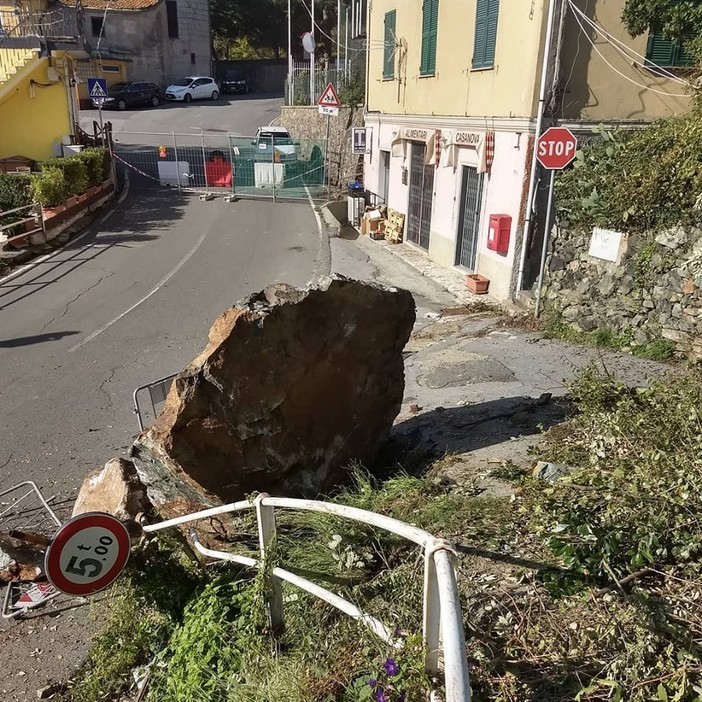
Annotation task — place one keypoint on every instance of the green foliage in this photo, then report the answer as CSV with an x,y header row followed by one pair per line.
x,y
675,19
555,327
638,180
49,187
15,191
97,164
630,503
75,173
145,606
353,93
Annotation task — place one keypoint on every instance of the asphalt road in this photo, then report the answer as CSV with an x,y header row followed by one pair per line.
x,y
129,301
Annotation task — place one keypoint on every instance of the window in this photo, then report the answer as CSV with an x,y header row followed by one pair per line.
x,y
172,16
485,33
667,52
193,59
389,46
110,69
96,25
430,22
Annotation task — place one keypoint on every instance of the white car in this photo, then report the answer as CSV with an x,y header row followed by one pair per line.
x,y
278,139
193,88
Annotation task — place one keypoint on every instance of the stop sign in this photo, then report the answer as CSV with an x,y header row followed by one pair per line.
x,y
556,148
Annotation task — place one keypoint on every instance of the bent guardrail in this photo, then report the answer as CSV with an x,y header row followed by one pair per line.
x,y
442,617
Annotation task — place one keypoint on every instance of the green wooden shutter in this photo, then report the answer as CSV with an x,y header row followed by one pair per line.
x,y
430,25
660,51
480,34
491,31
389,48
667,52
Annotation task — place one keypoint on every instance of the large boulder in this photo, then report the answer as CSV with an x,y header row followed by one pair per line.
x,y
293,386
115,489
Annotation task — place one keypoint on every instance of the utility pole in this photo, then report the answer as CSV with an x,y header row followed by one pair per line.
x,y
312,54
290,57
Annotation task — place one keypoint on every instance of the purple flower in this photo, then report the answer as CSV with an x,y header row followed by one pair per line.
x,y
390,667
398,632
372,682
401,698
380,696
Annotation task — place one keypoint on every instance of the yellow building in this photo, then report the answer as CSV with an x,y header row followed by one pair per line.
x,y
453,91
38,97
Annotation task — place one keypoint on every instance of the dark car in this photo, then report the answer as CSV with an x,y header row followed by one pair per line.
x,y
123,95
235,82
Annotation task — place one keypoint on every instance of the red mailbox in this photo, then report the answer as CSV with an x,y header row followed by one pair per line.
x,y
498,233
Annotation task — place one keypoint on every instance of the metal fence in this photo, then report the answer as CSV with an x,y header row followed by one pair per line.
x,y
297,88
221,163
442,617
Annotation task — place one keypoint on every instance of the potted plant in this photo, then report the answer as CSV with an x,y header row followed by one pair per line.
x,y
477,283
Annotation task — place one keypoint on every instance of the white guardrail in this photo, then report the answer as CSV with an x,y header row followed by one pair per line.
x,y
442,617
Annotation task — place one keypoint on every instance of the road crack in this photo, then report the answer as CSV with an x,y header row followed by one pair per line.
x,y
77,297
101,387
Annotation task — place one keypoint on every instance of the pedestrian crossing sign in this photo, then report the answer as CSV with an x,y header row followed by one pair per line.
x,y
97,88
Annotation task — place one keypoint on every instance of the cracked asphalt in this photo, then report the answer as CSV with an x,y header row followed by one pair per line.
x,y
130,301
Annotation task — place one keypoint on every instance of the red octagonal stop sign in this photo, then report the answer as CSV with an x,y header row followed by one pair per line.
x,y
556,148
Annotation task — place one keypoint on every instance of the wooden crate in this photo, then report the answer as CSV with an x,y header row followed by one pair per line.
x,y
395,226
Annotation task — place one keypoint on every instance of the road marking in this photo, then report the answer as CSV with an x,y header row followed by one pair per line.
x,y
317,262
160,284
75,240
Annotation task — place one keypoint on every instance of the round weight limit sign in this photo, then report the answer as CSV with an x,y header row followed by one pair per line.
x,y
87,554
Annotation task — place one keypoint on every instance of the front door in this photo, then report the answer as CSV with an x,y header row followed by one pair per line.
x,y
469,220
384,176
421,196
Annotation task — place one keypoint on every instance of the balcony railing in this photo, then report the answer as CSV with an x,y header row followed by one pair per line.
x,y
50,24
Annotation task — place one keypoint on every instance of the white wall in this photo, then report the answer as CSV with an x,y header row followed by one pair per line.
x,y
502,194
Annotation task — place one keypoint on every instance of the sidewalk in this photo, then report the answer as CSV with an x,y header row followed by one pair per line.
x,y
477,389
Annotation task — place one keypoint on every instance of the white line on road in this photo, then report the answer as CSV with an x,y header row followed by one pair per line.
x,y
161,283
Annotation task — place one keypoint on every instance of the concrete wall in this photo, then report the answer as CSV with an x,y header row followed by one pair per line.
x,y
507,90
593,90
35,119
141,38
307,123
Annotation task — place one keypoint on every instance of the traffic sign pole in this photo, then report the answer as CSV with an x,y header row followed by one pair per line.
x,y
544,247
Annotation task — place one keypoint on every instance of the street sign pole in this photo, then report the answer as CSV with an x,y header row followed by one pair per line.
x,y
544,247
327,179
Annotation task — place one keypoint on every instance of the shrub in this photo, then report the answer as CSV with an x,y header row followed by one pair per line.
x,y
97,163
638,180
15,191
74,171
50,187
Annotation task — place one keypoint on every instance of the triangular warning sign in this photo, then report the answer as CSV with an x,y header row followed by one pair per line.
x,y
97,91
329,97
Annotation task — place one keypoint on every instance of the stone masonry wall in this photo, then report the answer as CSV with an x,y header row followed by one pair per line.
x,y
307,123
653,291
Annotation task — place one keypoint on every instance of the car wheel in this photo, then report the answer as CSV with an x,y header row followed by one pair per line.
x,y
155,101
215,94
188,97
121,105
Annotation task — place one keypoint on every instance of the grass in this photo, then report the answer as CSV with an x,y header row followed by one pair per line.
x,y
555,327
589,588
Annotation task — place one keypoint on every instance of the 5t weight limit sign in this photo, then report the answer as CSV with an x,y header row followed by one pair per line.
x,y
87,554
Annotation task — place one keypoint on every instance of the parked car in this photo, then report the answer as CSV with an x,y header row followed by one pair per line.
x,y
277,141
124,95
235,82
193,88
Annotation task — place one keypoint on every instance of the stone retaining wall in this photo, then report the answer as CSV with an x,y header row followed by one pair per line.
x,y
653,291
307,123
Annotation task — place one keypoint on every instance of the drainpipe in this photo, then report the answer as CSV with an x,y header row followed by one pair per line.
x,y
528,221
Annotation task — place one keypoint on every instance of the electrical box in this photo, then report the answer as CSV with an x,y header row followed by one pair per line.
x,y
499,232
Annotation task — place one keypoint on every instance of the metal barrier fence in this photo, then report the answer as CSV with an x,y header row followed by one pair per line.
x,y
268,168
17,226
442,617
157,393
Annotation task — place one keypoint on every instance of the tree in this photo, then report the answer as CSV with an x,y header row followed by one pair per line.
x,y
675,19
262,25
